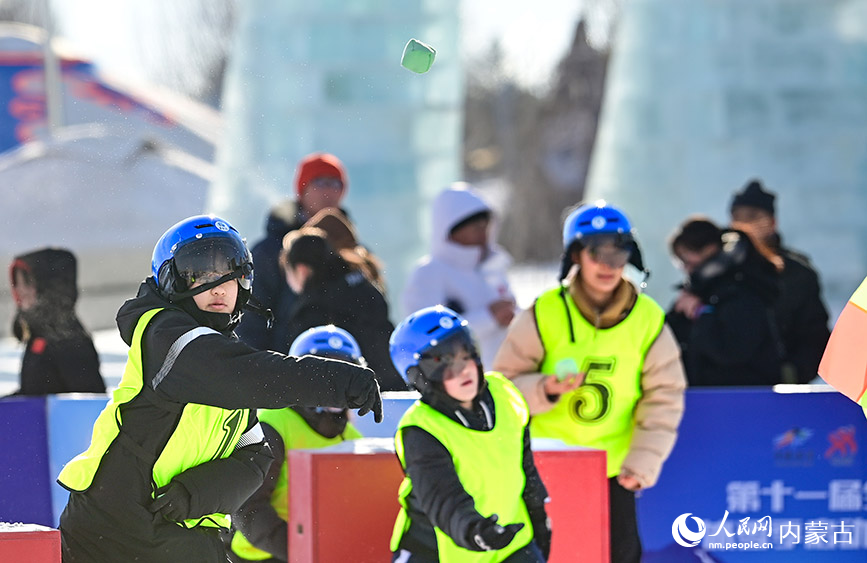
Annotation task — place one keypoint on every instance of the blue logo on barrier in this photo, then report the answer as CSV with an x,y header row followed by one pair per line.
x,y
683,535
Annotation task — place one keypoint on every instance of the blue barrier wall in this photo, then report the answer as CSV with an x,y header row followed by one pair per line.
x,y
70,424
787,461
793,463
24,476
394,404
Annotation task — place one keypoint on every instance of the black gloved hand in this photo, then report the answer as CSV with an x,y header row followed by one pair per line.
x,y
173,502
363,393
489,535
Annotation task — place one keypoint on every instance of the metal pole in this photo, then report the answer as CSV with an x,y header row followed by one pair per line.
x,y
53,84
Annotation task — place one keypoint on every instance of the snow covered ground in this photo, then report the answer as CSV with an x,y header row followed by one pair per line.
x,y
527,282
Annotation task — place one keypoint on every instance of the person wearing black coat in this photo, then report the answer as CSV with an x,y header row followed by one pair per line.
x,y
59,356
332,291
321,182
801,316
179,445
800,313
724,315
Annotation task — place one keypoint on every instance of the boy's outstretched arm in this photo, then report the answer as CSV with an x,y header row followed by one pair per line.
x,y
188,363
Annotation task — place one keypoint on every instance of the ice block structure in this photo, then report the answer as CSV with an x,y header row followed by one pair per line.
x,y
703,96
326,76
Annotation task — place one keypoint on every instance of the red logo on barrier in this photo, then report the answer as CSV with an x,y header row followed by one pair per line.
x,y
842,442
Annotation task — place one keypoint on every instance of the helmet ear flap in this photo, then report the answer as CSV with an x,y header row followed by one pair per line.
x,y
168,279
566,260
417,379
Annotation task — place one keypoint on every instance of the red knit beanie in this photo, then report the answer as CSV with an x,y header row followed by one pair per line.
x,y
317,165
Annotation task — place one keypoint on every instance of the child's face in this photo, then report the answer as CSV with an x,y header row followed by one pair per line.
x,y
461,378
25,292
220,299
596,272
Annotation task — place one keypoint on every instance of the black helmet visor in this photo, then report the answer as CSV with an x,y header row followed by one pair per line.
x,y
446,355
209,259
613,249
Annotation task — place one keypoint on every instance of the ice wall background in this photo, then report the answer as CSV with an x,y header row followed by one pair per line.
x,y
326,76
703,96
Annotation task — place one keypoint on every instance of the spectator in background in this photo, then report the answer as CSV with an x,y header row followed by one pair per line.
x,y
465,270
320,182
261,524
342,236
723,316
334,290
801,315
59,356
598,365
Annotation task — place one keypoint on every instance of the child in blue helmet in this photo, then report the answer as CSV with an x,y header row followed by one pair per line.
x,y
471,491
598,365
261,524
178,446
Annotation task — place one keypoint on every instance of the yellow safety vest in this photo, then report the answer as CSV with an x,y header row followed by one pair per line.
x,y
203,433
599,414
297,435
489,465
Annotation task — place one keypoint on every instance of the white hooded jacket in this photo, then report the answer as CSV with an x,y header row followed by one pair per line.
x,y
452,274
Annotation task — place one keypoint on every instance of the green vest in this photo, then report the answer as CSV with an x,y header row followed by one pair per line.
x,y
297,435
489,465
599,414
203,433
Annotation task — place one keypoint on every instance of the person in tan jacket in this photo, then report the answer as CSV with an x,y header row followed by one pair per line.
x,y
598,365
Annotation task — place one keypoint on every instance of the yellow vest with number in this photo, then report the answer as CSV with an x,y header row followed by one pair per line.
x,y
297,435
599,414
489,465
202,434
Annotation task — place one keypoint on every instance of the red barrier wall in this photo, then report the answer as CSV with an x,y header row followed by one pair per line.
x,y
342,506
577,484
29,542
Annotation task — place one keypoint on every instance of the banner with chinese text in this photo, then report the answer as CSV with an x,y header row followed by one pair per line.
x,y
758,475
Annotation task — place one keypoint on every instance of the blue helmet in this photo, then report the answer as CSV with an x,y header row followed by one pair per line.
x,y
599,221
597,218
203,249
423,343
329,341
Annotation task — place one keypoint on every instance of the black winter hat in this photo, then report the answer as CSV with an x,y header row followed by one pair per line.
x,y
754,195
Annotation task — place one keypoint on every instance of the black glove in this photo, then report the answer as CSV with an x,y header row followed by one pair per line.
x,y
489,535
363,393
173,502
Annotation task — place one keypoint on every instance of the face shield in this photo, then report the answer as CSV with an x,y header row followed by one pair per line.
x,y
209,260
612,250
449,356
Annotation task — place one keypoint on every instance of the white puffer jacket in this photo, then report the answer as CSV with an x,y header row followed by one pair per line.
x,y
453,275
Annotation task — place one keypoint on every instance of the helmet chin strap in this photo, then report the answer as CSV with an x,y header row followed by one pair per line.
x,y
252,303
256,306
175,297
